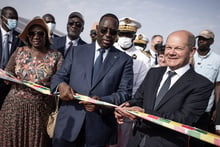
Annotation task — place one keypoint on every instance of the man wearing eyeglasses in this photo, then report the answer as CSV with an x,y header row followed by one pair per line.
x,y
97,70
8,42
75,26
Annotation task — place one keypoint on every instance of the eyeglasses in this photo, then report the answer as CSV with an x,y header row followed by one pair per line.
x,y
50,21
111,31
40,33
93,33
202,38
77,24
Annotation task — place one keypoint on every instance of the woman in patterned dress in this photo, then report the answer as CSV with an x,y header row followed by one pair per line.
x,y
24,114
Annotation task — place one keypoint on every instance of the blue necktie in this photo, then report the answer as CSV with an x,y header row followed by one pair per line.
x,y
98,64
5,51
164,88
156,62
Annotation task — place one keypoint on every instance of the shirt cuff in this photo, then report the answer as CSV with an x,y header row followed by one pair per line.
x,y
217,127
56,92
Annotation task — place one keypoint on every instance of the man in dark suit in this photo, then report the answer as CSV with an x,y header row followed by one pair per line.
x,y
82,124
75,26
9,17
185,100
51,23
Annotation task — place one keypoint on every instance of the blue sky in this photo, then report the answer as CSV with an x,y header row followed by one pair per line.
x,y
156,16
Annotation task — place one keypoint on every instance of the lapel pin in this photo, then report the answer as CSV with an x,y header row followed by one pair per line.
x,y
134,56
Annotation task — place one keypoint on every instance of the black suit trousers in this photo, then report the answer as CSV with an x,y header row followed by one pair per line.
x,y
4,89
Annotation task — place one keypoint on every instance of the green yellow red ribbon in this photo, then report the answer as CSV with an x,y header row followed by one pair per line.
x,y
88,99
184,129
7,76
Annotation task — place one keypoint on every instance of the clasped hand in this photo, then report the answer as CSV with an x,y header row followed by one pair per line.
x,y
121,112
67,94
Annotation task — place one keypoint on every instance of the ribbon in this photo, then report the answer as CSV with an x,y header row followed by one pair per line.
x,y
7,76
184,129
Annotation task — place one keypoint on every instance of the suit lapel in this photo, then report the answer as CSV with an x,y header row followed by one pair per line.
x,y
60,44
89,62
0,46
177,87
15,40
109,62
81,42
156,86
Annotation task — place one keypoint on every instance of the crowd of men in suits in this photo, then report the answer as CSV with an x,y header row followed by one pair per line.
x,y
127,76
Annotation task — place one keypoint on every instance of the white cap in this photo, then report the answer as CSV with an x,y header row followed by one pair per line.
x,y
128,24
141,38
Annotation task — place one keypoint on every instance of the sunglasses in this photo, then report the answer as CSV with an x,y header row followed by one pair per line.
x,y
77,24
111,31
93,33
40,33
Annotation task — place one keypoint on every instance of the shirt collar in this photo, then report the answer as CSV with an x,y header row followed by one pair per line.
x,y
97,46
152,53
4,32
180,71
206,56
75,42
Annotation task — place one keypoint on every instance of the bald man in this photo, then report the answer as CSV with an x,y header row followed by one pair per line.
x,y
184,101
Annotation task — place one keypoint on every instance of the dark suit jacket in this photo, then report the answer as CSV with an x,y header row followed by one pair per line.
x,y
114,85
14,44
58,43
217,122
185,102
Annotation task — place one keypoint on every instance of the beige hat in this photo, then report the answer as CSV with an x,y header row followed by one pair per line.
x,y
206,34
141,38
35,21
128,24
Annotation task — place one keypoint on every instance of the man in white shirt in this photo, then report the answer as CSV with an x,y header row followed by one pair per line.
x,y
141,64
156,39
207,63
